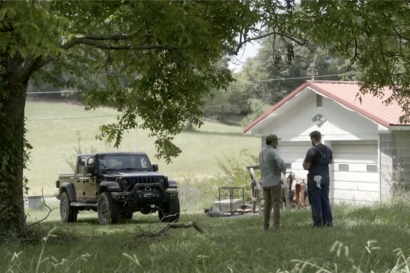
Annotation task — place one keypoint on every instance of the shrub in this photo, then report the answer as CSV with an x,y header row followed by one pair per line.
x,y
234,174
190,193
400,186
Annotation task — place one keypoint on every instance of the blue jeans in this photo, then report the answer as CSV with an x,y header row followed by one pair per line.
x,y
319,202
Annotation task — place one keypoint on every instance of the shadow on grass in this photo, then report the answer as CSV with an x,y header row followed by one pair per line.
x,y
94,221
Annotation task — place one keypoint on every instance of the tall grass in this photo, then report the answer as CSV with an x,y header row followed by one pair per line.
x,y
364,239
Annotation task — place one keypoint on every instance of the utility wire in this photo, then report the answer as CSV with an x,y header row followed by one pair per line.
x,y
212,106
72,118
295,78
255,81
51,92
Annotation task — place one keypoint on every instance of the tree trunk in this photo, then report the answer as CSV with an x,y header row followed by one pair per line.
x,y
13,87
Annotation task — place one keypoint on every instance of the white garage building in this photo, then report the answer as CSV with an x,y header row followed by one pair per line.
x,y
365,138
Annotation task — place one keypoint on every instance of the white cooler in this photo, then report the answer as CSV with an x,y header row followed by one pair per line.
x,y
225,204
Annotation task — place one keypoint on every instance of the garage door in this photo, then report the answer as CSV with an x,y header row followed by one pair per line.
x,y
293,153
355,171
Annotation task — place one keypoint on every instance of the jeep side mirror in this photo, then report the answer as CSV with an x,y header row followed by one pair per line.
x,y
90,169
155,167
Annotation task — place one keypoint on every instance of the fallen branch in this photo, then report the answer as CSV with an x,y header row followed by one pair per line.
x,y
27,235
148,236
190,224
48,214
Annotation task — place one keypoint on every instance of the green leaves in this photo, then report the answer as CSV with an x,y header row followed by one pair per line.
x,y
373,35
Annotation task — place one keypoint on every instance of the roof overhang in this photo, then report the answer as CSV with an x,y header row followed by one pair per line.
x,y
383,125
395,127
275,107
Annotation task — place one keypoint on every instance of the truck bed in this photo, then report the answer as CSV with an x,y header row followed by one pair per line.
x,y
65,178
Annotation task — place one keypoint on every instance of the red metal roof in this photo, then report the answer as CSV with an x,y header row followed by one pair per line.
x,y
345,93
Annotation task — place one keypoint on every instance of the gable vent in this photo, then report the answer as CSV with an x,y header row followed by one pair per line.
x,y
319,100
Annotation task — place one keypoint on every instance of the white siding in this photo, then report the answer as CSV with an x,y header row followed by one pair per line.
x,y
360,182
293,153
293,121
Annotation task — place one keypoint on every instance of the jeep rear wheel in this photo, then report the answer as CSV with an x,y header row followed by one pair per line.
x,y
108,209
170,211
67,213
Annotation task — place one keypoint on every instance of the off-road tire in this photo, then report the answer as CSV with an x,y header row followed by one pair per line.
x,y
170,211
126,215
108,209
68,214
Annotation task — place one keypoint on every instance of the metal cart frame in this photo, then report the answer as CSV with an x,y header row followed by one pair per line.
x,y
231,197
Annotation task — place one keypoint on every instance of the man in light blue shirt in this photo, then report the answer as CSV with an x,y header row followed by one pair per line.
x,y
272,166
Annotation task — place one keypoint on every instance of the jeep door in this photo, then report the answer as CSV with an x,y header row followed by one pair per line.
x,y
90,184
79,178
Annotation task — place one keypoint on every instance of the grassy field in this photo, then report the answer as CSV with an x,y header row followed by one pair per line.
x,y
364,239
52,132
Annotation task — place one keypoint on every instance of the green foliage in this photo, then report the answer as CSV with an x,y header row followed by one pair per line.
x,y
398,182
257,108
271,63
155,59
220,103
373,35
191,195
234,174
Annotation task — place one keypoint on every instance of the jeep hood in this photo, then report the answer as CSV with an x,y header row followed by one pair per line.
x,y
132,174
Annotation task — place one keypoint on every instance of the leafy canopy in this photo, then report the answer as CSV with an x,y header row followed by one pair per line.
x,y
154,59
373,35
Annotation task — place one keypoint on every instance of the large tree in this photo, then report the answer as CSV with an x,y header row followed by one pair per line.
x,y
157,59
154,59
165,50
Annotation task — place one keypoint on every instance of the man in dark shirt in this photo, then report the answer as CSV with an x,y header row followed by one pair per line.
x,y
317,162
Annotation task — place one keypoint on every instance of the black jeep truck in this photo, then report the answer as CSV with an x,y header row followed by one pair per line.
x,y
116,185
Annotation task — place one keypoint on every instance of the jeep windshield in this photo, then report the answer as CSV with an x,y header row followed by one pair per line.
x,y
123,162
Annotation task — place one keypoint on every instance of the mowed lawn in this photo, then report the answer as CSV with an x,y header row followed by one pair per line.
x,y
364,239
52,133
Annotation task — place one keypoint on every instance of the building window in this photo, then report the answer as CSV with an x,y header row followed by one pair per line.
x,y
371,168
344,167
319,100
288,166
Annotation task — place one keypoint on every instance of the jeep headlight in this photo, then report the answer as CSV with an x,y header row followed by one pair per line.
x,y
124,183
162,181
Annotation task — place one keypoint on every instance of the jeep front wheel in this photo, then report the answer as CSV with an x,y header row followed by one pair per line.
x,y
108,209
67,213
170,211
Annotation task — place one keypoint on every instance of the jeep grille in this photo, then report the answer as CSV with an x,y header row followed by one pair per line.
x,y
143,180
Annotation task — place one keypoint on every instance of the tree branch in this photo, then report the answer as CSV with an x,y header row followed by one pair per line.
x,y
266,35
114,37
400,36
147,236
127,47
355,54
88,40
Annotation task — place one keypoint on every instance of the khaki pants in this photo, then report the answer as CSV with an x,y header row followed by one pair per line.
x,y
272,196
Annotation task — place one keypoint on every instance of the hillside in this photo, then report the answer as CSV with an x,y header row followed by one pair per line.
x,y
52,132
